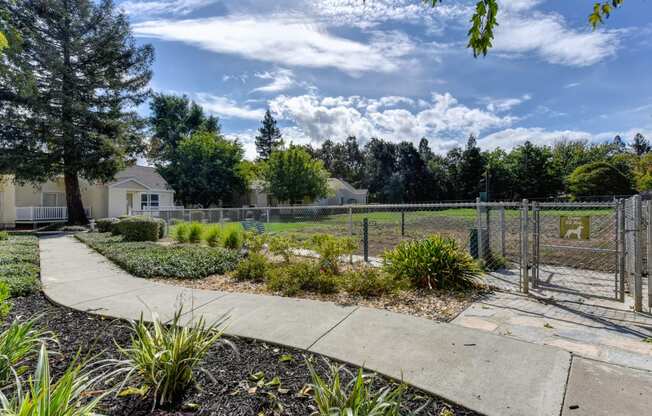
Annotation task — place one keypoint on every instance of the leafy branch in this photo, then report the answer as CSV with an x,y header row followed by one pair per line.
x,y
603,10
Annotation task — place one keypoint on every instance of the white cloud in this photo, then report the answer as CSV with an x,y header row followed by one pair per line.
x,y
519,5
572,85
283,40
280,80
548,35
500,105
227,108
339,117
154,7
510,138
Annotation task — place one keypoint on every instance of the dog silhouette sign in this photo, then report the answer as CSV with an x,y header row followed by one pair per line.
x,y
575,228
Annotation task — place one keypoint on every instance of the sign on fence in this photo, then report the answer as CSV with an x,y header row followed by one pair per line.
x,y
575,228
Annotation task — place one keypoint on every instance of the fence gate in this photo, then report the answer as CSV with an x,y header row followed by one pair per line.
x,y
577,249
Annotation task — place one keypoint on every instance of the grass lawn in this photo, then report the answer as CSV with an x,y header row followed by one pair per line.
x,y
148,259
19,264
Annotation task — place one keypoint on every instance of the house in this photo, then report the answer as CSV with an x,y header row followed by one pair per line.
x,y
136,187
341,193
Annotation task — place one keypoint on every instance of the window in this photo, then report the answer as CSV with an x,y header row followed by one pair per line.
x,y
149,201
53,199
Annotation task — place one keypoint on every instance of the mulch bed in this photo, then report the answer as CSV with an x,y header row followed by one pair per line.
x,y
438,305
233,391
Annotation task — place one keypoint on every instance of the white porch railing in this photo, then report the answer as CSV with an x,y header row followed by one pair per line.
x,y
41,214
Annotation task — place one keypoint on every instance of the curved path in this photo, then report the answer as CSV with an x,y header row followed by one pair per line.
x,y
488,373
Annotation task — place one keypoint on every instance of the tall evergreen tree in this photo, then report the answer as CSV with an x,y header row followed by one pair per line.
x,y
68,94
424,150
471,170
269,137
640,145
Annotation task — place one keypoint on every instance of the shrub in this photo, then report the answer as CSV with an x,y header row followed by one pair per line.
x,y
4,235
213,235
5,303
293,278
67,396
166,357
181,232
148,259
73,228
254,268
331,249
281,246
232,238
334,397
19,261
138,228
19,343
435,262
254,242
370,282
162,228
195,231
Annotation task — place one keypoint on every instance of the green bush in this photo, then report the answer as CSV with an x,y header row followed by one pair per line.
x,y
181,232
138,228
166,357
254,268
434,262
254,242
148,259
4,235
293,278
65,396
5,302
333,396
282,246
195,231
19,265
19,344
162,228
331,249
213,235
232,238
371,282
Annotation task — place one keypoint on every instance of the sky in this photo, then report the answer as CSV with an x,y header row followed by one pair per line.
x,y
400,70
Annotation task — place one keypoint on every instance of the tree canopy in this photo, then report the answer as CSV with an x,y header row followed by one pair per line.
x,y
269,137
206,169
293,176
599,178
70,81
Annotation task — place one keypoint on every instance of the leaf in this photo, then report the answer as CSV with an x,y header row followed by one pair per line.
x,y
285,358
276,381
134,391
257,376
547,325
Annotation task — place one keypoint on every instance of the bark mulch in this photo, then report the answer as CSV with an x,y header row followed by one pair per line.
x,y
233,389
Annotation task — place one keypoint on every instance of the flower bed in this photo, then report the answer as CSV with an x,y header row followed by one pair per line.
x,y
149,259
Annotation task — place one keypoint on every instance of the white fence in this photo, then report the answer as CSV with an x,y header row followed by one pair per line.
x,y
43,214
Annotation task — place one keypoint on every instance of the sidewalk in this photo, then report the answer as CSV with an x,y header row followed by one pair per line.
x,y
488,373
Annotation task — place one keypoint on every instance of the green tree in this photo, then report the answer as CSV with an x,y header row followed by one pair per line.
x,y
343,160
643,173
411,182
173,119
293,176
640,145
68,94
206,170
471,170
269,137
532,173
599,178
379,166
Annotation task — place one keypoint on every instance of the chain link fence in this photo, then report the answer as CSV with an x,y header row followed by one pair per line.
x,y
578,247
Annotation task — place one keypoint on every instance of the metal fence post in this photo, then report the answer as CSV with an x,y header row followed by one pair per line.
x,y
480,234
621,250
638,255
501,215
221,216
350,222
525,284
365,239
402,223
536,229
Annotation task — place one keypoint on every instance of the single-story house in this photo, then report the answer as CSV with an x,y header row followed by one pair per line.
x,y
134,188
341,193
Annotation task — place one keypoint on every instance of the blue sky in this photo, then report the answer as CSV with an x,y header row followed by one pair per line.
x,y
399,70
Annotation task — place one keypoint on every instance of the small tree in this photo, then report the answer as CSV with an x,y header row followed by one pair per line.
x,y
269,138
599,178
293,176
206,169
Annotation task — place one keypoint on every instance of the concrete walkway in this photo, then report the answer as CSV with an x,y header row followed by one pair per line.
x,y
488,373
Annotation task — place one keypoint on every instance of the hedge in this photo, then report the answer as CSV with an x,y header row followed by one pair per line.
x,y
138,228
19,264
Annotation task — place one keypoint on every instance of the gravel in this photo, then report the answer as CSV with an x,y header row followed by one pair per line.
x,y
232,391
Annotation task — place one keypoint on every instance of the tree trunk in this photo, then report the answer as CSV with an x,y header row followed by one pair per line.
x,y
76,213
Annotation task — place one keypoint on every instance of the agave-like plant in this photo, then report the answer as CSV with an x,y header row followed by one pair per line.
x,y
66,396
19,343
165,358
357,398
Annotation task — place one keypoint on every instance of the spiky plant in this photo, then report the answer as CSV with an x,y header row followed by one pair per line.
x,y
19,343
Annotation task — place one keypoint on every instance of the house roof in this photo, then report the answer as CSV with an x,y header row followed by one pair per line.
x,y
336,184
145,175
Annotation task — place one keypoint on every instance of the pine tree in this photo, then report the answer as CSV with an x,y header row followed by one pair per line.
x,y
640,145
270,137
68,94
